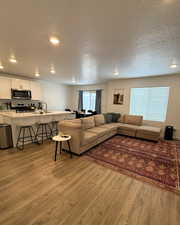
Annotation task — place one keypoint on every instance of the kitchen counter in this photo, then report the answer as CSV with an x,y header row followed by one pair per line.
x,y
32,118
33,114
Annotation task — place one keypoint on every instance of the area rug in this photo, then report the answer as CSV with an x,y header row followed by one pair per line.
x,y
155,163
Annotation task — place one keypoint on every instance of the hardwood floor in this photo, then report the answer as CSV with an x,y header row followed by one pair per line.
x,y
35,190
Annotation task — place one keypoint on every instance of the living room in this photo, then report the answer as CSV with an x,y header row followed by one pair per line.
x,y
89,112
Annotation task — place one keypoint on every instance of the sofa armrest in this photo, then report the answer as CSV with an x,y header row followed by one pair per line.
x,y
70,125
75,131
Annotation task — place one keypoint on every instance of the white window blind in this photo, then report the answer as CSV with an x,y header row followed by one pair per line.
x,y
89,100
151,103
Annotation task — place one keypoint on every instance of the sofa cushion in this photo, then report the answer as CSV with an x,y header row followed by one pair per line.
x,y
148,132
123,126
88,122
99,131
88,137
111,126
75,123
99,120
134,120
150,129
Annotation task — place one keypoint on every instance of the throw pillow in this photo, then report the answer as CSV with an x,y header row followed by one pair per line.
x,y
115,117
108,117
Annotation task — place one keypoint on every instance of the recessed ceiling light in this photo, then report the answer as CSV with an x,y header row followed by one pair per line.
x,y
37,74
52,69
54,40
1,66
13,60
116,73
173,66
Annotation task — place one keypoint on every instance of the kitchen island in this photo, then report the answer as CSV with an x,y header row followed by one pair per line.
x,y
32,118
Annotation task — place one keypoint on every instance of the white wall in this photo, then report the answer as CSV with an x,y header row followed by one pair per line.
x,y
172,81
56,96
75,94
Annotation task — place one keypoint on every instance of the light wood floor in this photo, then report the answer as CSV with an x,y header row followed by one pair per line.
x,y
35,190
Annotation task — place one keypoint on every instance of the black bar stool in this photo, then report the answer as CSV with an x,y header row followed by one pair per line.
x,y
23,137
43,132
55,128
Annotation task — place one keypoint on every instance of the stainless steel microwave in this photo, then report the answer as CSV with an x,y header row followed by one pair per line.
x,y
20,94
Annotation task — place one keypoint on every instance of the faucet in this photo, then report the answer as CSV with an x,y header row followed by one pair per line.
x,y
44,103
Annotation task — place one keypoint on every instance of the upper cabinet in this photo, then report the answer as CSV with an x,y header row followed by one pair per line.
x,y
7,83
36,90
21,84
5,88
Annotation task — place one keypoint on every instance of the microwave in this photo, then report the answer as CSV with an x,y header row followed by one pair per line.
x,y
20,94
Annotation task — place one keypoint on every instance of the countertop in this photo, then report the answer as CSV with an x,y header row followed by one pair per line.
x,y
33,114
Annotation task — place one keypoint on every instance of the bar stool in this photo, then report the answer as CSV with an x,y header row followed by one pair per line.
x,y
43,132
55,128
23,137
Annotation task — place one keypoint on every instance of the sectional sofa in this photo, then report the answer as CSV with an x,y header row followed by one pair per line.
x,y
90,131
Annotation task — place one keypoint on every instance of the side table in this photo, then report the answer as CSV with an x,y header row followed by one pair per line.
x,y
60,139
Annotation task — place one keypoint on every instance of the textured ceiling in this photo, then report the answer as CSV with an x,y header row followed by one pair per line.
x,y
137,38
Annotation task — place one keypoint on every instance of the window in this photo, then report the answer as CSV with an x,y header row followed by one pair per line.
x,y
89,100
151,103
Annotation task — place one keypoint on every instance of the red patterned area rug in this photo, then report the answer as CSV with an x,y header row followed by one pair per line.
x,y
155,163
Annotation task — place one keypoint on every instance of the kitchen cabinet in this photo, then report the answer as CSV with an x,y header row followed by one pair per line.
x,y
5,88
36,90
20,84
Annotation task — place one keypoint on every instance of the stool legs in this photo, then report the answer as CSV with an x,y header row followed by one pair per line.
x,y
55,128
18,139
22,138
42,132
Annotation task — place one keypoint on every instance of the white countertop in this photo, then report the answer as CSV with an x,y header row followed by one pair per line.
x,y
32,114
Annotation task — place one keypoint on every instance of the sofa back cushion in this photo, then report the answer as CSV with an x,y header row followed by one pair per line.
x,y
115,117
134,120
112,117
88,122
99,120
108,117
